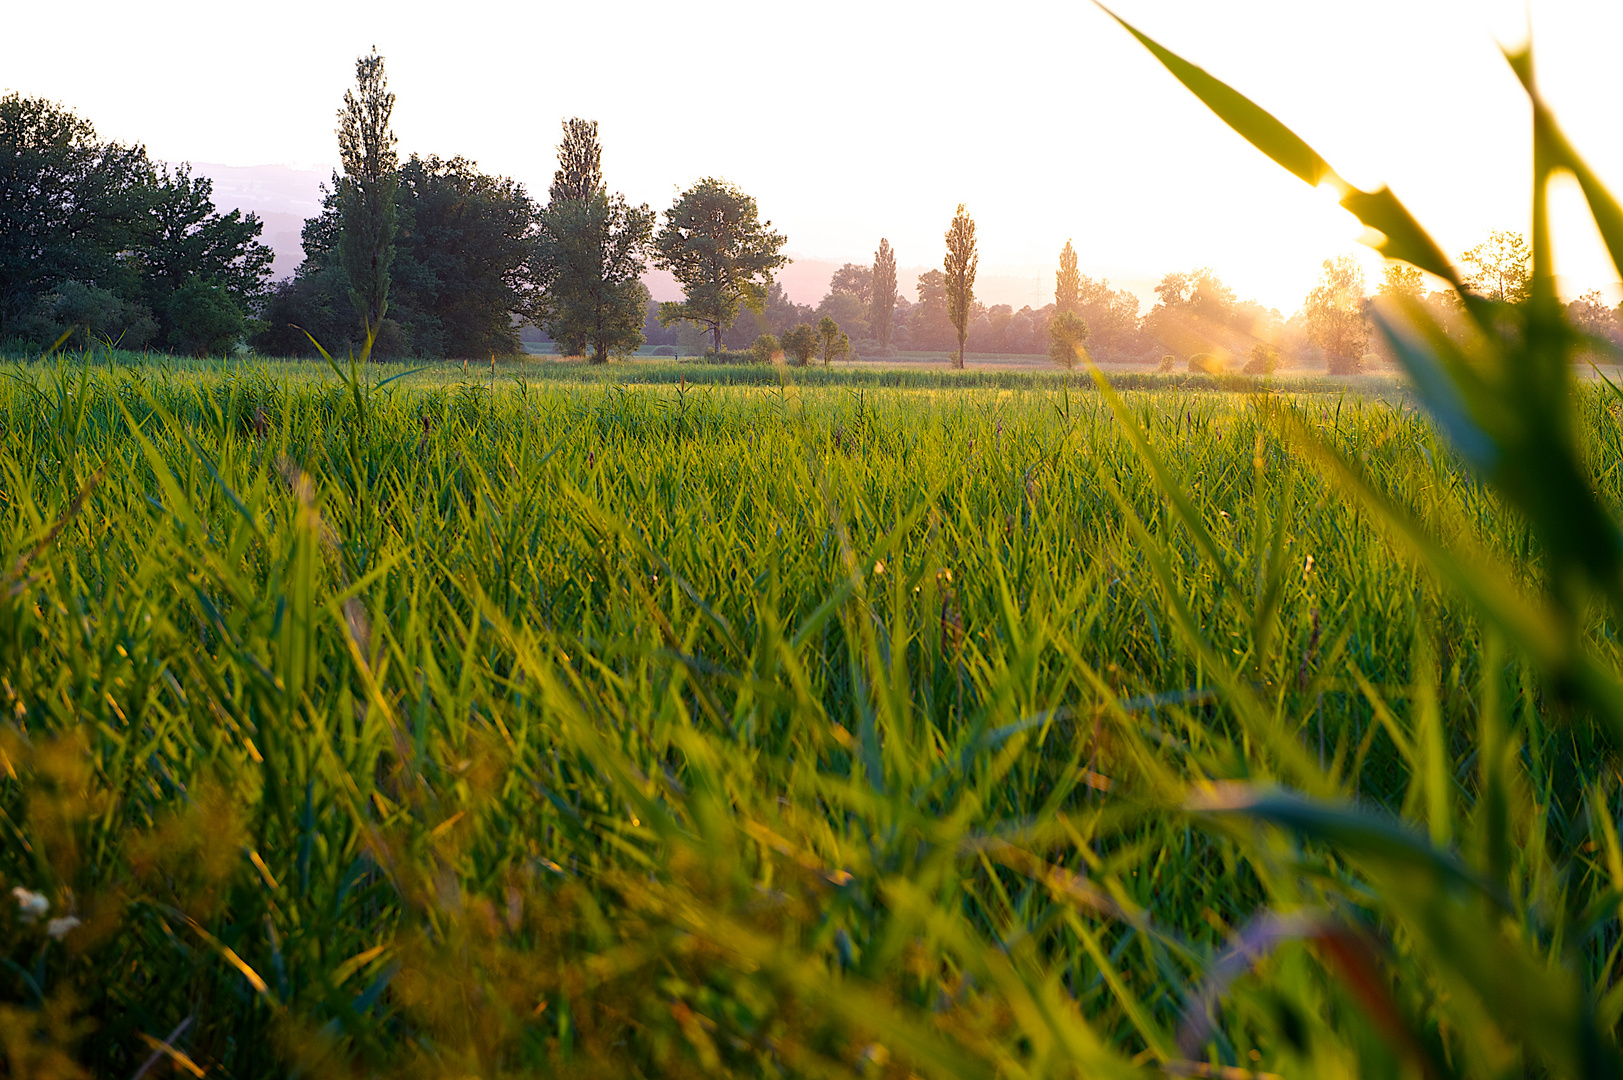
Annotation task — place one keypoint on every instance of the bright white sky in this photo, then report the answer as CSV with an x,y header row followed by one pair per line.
x,y
855,119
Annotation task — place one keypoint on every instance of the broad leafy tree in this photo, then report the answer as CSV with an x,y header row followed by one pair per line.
x,y
881,312
98,236
715,245
590,258
1401,280
853,281
1501,267
463,268
1335,315
959,269
366,191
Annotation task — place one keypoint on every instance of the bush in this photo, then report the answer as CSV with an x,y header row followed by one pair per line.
x,y
93,314
800,344
204,319
1205,364
1264,360
766,349
1167,363
665,350
871,348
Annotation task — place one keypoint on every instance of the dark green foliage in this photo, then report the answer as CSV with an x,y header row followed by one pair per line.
x,y
1066,334
366,191
721,253
800,344
203,319
462,268
580,163
96,233
766,349
590,254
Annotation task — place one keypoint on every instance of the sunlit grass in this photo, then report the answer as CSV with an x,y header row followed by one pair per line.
x,y
684,729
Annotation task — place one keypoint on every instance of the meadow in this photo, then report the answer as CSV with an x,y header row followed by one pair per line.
x,y
405,726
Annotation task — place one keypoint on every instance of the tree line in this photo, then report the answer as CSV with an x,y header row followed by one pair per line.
x,y
430,257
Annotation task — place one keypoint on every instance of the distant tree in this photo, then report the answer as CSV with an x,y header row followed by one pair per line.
x,y
959,268
1502,267
366,192
1114,328
1591,315
580,163
834,342
1195,312
1264,360
766,349
1068,282
203,319
854,281
591,252
800,344
1335,315
720,252
463,270
883,306
1400,280
1066,333
847,310
97,235
183,240
929,323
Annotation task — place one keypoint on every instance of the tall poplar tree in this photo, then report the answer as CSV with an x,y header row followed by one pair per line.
x,y
883,307
960,266
580,163
1068,282
366,191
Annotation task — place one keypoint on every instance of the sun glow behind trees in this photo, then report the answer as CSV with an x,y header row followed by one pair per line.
x,y
1151,183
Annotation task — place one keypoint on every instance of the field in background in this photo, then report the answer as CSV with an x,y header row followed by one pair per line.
x,y
462,726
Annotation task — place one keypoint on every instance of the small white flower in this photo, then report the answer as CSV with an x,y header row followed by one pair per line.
x,y
31,904
58,928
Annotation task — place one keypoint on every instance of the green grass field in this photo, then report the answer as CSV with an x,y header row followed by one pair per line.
x,y
815,728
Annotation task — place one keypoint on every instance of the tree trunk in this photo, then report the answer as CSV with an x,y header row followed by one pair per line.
x,y
716,336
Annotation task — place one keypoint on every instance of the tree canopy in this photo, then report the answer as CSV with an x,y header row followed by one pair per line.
x,y
591,251
96,235
715,245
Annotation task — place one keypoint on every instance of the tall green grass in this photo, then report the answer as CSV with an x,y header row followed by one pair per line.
x,y
363,727
687,730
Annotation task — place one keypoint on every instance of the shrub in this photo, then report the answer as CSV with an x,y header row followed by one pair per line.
x,y
1205,364
93,314
1167,363
766,349
665,350
1264,360
800,344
